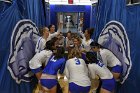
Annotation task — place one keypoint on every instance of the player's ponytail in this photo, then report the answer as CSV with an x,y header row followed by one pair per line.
x,y
91,57
95,44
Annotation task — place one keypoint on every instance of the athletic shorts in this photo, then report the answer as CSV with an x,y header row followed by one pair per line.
x,y
48,83
117,69
74,88
108,84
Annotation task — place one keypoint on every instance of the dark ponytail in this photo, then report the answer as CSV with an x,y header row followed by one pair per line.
x,y
91,57
95,44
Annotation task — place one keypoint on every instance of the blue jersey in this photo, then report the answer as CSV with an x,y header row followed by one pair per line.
x,y
54,65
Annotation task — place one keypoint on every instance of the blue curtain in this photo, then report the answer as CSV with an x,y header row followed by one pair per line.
x,y
93,18
93,15
47,13
128,16
132,27
4,6
34,10
10,14
108,10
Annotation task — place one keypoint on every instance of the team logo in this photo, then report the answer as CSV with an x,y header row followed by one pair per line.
x,y
22,49
114,38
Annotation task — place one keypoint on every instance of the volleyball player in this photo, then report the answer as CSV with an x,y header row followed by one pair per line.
x,y
108,58
49,75
96,67
77,73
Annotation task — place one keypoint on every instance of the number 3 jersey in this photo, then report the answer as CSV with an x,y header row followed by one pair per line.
x,y
77,72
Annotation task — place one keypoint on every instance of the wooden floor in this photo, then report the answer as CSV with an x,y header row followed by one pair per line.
x,y
64,85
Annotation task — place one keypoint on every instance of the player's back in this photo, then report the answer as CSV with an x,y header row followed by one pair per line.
x,y
78,72
101,70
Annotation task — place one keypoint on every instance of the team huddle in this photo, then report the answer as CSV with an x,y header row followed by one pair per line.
x,y
80,59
